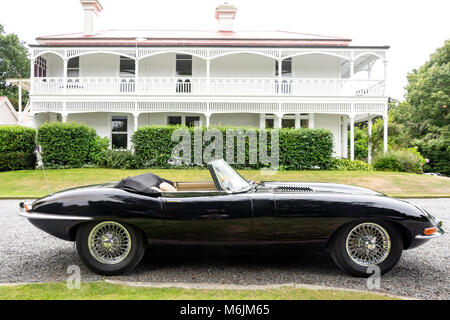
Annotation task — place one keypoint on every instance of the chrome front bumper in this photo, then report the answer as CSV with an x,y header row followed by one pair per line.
x,y
437,234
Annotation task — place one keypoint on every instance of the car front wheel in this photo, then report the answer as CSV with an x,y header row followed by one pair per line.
x,y
109,248
361,245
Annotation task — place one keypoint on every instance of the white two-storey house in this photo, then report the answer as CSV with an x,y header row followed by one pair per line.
x,y
117,81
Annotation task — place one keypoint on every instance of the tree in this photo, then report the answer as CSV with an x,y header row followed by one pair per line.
x,y
14,63
425,113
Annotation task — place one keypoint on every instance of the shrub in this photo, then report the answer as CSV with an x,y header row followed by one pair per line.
x,y
17,160
348,165
98,147
65,145
116,159
404,160
299,148
17,146
437,151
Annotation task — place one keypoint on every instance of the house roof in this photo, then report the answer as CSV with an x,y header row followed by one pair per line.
x,y
195,37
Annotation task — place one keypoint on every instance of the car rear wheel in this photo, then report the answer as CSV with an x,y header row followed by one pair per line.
x,y
361,245
109,247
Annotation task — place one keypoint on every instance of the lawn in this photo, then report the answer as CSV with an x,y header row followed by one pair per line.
x,y
31,183
108,291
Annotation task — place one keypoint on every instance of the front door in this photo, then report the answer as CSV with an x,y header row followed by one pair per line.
x,y
207,215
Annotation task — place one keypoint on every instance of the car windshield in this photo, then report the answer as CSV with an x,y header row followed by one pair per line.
x,y
228,178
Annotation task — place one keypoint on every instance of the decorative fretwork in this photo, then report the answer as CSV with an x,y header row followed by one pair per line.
x,y
210,53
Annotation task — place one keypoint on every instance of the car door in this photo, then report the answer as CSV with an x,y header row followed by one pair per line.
x,y
207,215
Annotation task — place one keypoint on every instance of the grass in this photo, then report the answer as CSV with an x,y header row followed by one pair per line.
x,y
108,291
31,183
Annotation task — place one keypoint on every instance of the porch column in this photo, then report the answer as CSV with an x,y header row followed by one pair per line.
x,y
278,121
352,72
385,133
65,61
297,121
64,117
311,124
136,121
385,78
136,68
208,75
352,137
32,123
369,72
32,62
207,118
262,121
280,69
369,143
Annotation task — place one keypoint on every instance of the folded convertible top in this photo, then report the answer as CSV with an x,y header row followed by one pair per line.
x,y
142,183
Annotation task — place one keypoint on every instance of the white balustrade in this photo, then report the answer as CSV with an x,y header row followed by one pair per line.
x,y
165,86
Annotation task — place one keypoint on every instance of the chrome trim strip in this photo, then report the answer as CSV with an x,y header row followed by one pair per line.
x,y
47,216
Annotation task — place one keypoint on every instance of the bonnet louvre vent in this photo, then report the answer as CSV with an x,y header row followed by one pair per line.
x,y
290,188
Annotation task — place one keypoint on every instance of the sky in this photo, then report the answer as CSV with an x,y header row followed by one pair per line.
x,y
414,29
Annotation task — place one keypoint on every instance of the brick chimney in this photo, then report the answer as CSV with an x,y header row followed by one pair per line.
x,y
91,10
225,14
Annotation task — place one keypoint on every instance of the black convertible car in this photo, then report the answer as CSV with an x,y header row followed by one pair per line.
x,y
113,223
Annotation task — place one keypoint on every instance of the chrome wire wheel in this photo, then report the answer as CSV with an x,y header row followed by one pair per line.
x,y
368,244
109,242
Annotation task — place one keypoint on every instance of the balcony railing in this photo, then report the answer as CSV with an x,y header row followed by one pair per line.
x,y
214,87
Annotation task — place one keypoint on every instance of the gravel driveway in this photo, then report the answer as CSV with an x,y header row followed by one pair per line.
x,y
30,255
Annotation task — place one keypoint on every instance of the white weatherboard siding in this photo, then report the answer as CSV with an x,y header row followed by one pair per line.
x,y
161,65
100,121
330,122
243,66
316,66
239,120
55,66
42,118
99,65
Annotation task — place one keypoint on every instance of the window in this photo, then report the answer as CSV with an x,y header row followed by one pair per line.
x,y
73,67
127,67
288,123
192,121
286,67
40,67
270,123
119,132
304,123
174,120
184,65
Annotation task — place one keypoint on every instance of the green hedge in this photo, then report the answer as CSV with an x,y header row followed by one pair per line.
x,y
66,145
17,146
404,160
299,148
349,165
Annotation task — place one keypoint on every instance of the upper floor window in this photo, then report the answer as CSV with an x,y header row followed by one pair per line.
x,y
184,65
127,67
286,67
73,67
40,67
